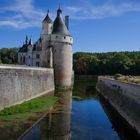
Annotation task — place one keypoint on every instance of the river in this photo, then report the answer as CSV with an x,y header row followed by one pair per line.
x,y
79,118
81,114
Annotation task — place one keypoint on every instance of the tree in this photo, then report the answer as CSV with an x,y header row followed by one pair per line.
x,y
8,56
107,63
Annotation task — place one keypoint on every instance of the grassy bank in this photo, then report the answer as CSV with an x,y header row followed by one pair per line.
x,y
28,108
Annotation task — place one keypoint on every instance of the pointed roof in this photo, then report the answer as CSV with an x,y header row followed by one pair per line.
x,y
30,41
23,49
26,40
59,27
47,18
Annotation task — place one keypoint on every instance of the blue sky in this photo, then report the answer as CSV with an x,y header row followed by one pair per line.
x,y
96,25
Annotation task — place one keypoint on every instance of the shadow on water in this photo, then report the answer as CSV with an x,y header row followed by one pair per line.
x,y
119,124
85,117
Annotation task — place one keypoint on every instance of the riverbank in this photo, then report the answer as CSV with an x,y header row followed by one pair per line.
x,y
28,108
16,120
124,97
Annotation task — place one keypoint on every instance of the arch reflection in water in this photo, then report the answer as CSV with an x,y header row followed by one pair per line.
x,y
56,126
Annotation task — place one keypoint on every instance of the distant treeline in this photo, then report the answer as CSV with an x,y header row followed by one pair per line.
x,y
127,63
8,55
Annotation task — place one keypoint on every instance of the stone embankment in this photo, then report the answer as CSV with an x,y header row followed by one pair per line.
x,y
19,84
124,97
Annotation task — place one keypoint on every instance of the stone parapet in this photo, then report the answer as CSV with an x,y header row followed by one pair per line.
x,y
19,84
124,97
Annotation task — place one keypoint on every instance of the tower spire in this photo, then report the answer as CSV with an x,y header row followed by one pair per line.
x,y
47,18
59,11
26,40
48,12
30,41
59,6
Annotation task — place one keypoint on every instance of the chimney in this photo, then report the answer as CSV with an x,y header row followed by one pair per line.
x,y
67,21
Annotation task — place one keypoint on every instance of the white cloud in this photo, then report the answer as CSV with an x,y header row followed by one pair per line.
x,y
23,14
109,9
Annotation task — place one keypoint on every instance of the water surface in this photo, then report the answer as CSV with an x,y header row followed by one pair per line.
x,y
80,118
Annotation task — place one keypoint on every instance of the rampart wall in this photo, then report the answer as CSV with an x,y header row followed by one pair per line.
x,y
124,97
19,84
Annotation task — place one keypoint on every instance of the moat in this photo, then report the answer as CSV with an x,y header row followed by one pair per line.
x,y
85,117
81,114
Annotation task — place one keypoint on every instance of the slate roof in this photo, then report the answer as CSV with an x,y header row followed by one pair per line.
x,y
47,19
59,27
23,48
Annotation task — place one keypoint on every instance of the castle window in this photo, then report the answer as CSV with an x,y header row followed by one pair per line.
x,y
24,59
64,37
37,56
20,59
29,57
56,36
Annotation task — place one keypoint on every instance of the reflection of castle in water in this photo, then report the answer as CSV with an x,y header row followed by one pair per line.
x,y
56,126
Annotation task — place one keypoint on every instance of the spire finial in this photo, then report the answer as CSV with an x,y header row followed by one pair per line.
x,y
26,40
59,6
48,11
59,11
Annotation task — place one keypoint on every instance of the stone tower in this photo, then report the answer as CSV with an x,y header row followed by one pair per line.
x,y
47,27
61,42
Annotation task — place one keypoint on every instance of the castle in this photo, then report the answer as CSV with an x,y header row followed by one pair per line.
x,y
52,50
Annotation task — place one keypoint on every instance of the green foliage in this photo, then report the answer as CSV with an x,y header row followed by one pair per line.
x,y
127,63
8,55
28,107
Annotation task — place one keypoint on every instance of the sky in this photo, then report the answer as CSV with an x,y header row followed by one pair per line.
x,y
96,25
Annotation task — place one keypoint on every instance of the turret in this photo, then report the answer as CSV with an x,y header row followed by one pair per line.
x,y
47,25
30,45
61,42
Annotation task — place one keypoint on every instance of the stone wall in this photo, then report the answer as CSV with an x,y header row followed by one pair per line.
x,y
18,84
124,97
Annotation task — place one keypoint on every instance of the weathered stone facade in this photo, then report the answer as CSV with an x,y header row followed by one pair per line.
x,y
52,50
18,84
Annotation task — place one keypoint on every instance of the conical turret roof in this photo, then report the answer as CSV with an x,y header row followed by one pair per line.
x,y
47,18
59,27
